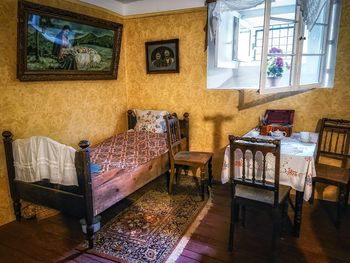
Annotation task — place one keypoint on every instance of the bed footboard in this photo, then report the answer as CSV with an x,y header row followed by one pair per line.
x,y
82,164
74,204
8,138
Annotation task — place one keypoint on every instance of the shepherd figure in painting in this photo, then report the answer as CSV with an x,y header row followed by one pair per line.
x,y
61,42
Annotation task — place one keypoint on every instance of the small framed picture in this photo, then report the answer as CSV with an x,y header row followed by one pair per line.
x,y
162,56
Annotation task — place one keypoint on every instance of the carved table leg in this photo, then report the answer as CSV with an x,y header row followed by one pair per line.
x,y
298,212
202,182
312,198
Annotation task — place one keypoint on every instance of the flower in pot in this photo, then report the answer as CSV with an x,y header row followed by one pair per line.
x,y
276,66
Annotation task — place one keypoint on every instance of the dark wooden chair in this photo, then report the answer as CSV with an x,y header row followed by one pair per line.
x,y
333,145
180,159
252,188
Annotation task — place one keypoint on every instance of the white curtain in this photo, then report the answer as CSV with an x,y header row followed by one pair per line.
x,y
220,6
233,5
311,10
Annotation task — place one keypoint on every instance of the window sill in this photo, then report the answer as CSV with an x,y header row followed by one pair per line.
x,y
259,99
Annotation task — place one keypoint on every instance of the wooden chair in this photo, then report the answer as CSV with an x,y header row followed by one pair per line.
x,y
252,188
334,144
180,159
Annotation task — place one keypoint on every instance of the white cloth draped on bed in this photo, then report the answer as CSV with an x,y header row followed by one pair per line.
x,y
39,158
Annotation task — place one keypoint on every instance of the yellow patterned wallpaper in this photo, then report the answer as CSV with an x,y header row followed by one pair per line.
x,y
213,113
70,111
67,111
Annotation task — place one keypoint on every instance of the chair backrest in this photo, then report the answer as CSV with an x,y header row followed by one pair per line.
x,y
174,135
254,145
334,140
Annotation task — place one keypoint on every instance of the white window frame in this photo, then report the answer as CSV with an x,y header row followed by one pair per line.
x,y
222,62
297,53
327,54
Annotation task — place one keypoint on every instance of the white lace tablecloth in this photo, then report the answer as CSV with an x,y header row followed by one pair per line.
x,y
297,163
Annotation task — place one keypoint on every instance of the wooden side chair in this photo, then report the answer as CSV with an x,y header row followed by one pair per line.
x,y
180,159
252,187
334,144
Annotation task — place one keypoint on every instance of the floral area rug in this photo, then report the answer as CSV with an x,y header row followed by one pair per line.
x,y
150,229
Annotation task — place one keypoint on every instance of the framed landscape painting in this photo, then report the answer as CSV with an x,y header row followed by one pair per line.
x,y
55,44
162,56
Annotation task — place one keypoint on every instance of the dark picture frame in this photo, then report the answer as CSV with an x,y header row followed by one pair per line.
x,y
162,56
55,44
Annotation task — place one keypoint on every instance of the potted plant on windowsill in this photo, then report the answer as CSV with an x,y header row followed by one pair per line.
x,y
276,66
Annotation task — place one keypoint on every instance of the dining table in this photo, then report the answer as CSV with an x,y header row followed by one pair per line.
x,y
297,168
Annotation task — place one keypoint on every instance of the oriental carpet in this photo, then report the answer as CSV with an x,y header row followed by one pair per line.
x,y
155,225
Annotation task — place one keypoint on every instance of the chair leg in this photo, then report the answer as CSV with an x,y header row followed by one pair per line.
x,y
236,213
284,219
346,203
167,174
312,198
276,214
171,180
340,205
232,224
186,171
177,172
243,215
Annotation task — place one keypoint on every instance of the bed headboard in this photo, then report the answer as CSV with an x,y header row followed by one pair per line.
x,y
184,125
131,119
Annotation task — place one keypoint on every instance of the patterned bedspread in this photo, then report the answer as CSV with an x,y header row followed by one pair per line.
x,y
128,150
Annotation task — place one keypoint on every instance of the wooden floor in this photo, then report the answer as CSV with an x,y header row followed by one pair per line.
x,y
54,239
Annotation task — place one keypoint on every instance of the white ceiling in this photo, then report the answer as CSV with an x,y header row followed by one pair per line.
x,y
126,1
136,7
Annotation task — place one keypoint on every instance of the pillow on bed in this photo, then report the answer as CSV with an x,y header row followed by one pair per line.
x,y
150,120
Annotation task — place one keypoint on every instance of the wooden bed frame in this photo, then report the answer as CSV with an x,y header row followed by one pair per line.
x,y
78,201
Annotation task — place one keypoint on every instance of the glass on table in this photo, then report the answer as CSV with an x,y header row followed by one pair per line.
x,y
313,137
304,136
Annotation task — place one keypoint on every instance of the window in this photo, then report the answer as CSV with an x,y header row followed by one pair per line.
x,y
269,47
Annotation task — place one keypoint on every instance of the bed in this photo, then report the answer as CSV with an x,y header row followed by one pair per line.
x,y
120,175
